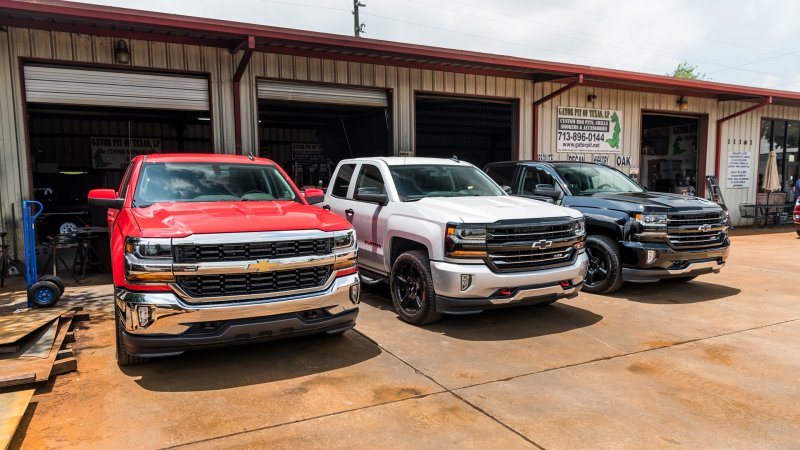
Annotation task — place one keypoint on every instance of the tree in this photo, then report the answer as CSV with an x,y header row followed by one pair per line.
x,y
689,71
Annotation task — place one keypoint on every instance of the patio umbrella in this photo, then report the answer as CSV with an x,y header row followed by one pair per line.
x,y
771,183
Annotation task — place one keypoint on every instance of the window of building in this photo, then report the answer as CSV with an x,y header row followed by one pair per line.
x,y
782,137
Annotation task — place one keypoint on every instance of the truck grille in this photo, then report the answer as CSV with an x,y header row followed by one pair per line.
x,y
253,283
257,250
695,230
518,247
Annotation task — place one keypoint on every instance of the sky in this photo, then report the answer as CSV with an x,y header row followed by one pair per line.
x,y
745,42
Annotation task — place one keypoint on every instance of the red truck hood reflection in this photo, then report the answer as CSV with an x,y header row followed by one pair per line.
x,y
184,219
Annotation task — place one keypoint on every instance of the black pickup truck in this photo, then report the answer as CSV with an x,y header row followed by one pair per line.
x,y
633,234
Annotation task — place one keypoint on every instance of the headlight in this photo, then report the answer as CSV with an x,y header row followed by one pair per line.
x,y
652,220
579,227
465,241
149,248
344,239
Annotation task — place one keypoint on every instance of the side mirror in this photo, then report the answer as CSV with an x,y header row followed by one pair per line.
x,y
314,195
506,189
105,198
547,190
371,194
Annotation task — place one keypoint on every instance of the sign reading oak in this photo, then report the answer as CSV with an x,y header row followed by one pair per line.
x,y
588,130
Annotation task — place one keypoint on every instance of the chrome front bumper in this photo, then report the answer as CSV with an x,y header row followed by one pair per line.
x,y
168,314
527,287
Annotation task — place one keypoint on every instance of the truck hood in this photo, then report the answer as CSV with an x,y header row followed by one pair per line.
x,y
489,209
184,219
639,201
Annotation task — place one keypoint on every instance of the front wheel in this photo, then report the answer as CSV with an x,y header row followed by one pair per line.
x,y
604,275
411,285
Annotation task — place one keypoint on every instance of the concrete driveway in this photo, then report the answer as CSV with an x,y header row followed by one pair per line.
x,y
711,363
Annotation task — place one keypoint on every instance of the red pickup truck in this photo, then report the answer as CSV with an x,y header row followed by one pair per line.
x,y
212,250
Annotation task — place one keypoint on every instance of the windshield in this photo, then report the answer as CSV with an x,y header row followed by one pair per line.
x,y
209,182
588,179
419,181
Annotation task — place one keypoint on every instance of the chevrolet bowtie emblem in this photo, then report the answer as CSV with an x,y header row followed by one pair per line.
x,y
262,265
704,227
541,245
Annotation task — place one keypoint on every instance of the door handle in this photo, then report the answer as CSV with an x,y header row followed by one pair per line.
x,y
326,207
349,212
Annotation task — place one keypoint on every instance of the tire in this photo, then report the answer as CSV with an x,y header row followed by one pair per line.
x,y
44,294
55,280
124,358
605,265
680,279
411,287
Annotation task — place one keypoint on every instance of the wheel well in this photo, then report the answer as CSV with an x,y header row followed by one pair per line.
x,y
602,231
402,245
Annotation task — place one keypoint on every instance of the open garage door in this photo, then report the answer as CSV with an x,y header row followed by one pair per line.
x,y
84,125
308,128
476,130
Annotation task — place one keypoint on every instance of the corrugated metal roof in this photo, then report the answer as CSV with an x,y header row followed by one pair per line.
x,y
121,22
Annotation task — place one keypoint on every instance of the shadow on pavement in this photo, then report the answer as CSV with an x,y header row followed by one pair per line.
x,y
229,367
504,324
665,292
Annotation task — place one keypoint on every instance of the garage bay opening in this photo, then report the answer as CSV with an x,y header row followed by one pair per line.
x,y
672,151
308,128
476,130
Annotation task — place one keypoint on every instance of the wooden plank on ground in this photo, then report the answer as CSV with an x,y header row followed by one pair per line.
x,y
15,368
12,408
14,327
40,348
64,365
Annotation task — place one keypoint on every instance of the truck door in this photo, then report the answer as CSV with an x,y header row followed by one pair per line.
x,y
340,189
366,218
533,180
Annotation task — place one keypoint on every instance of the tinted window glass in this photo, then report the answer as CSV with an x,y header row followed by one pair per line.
x,y
418,181
210,182
342,181
370,178
588,179
535,176
503,175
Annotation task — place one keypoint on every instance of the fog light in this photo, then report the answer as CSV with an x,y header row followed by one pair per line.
x,y
144,315
466,280
355,291
651,256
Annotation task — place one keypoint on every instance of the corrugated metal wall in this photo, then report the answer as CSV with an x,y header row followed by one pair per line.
x,y
16,43
403,83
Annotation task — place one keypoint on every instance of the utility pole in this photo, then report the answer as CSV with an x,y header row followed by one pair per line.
x,y
358,26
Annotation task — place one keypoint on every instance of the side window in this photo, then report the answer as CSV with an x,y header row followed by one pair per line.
x,y
342,181
123,187
370,178
502,175
534,176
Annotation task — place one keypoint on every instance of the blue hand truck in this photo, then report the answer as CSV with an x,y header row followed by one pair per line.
x,y
44,291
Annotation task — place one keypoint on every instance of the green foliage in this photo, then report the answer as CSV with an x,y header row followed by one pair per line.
x,y
688,71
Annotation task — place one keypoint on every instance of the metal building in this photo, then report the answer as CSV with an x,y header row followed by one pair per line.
x,y
85,87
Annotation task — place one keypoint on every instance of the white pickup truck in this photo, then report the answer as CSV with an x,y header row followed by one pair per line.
x,y
449,240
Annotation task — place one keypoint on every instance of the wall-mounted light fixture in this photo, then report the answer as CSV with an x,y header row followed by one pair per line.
x,y
683,104
121,53
591,98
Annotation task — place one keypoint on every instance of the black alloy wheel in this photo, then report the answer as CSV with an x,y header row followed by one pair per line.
x,y
411,286
604,274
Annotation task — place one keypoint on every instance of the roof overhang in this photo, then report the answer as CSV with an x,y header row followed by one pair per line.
x,y
124,23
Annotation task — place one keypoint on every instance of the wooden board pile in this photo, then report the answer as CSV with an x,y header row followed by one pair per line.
x,y
34,345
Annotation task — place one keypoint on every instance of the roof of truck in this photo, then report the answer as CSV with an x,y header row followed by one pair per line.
x,y
407,161
205,157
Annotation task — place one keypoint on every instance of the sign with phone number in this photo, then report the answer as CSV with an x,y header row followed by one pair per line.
x,y
588,130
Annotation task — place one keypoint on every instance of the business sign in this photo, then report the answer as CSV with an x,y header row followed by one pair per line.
x,y
740,166
116,153
307,153
588,130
